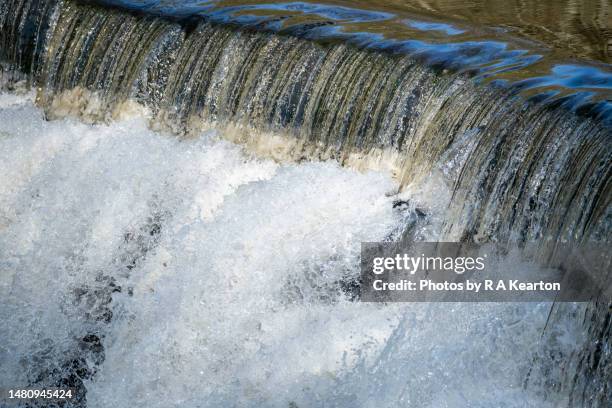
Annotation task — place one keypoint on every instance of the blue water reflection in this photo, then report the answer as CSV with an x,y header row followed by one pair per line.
x,y
489,56
428,26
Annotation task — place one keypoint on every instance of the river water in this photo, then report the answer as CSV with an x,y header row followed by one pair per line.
x,y
184,188
229,269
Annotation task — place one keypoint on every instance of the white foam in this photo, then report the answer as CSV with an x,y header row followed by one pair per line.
x,y
237,303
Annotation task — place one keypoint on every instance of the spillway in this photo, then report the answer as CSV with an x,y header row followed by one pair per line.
x,y
181,149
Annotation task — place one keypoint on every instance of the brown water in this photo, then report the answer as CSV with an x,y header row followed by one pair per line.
x,y
551,50
572,28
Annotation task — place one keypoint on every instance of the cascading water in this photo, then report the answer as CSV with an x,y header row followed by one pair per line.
x,y
149,270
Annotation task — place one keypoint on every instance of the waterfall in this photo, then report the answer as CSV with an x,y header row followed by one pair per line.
x,y
519,168
519,180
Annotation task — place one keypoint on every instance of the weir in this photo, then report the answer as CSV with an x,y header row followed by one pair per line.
x,y
523,173
521,168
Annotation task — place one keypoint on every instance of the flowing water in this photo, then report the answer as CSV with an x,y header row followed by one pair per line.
x,y
182,202
225,273
573,28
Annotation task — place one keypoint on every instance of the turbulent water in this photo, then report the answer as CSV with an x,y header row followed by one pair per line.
x,y
225,272
517,177
219,267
